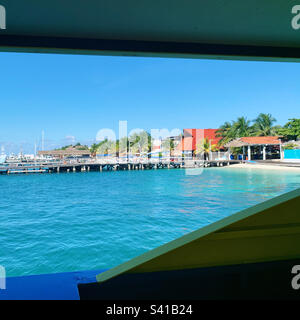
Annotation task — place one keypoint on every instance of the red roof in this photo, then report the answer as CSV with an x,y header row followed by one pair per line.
x,y
261,140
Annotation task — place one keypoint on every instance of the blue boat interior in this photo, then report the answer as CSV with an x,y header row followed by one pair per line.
x,y
56,286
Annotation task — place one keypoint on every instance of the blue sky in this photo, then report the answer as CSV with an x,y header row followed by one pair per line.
x,y
72,97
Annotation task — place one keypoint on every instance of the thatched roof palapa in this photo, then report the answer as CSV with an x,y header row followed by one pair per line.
x,y
236,143
253,141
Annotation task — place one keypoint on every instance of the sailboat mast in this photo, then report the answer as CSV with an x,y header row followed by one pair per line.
x,y
43,140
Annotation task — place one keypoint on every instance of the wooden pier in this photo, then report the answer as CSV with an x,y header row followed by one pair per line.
x,y
59,167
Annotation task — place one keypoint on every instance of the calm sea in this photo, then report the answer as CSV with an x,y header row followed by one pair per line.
x,y
84,221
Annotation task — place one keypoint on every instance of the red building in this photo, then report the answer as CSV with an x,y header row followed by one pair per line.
x,y
193,137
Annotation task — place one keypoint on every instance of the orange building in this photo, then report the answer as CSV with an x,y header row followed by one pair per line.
x,y
193,137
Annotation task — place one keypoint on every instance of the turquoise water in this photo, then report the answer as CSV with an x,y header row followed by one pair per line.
x,y
83,221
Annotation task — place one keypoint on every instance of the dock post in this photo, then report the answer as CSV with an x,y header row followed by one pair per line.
x,y
281,151
249,153
100,168
57,169
74,169
264,153
128,166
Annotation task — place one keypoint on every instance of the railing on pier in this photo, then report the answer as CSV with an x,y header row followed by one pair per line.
x,y
212,159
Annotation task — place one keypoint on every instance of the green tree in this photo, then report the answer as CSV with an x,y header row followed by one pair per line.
x,y
225,132
93,149
123,145
242,128
263,125
236,129
77,146
103,147
290,146
140,142
291,130
65,147
81,147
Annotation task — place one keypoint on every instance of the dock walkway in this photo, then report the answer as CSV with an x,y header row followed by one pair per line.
x,y
63,166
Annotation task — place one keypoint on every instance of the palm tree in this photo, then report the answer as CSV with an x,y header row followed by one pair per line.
x,y
112,147
103,147
137,142
93,149
235,129
263,125
225,132
168,145
205,147
123,145
242,128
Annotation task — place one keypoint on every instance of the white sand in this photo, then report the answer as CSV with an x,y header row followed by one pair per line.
x,y
263,166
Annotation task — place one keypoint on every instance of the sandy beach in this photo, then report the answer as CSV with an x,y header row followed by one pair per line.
x,y
263,166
